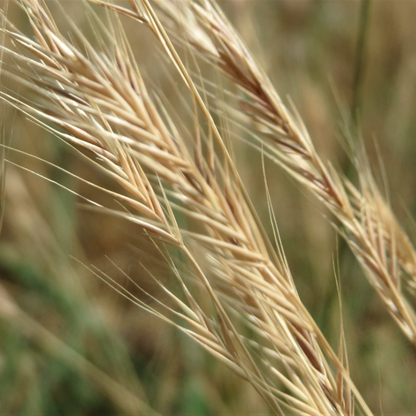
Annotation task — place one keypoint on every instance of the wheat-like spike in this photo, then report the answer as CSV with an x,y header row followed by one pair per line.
x,y
368,224
102,102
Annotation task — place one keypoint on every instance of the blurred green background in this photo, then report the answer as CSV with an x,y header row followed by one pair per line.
x,y
70,345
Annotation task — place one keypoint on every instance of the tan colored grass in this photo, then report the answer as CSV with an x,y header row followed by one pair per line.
x,y
364,218
102,104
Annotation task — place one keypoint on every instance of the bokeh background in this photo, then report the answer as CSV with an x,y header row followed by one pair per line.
x,y
70,345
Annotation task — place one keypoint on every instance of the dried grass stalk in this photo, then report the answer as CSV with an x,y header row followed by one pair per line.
x,y
363,217
101,103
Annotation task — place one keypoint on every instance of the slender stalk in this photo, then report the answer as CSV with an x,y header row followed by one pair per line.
x,y
101,103
363,217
